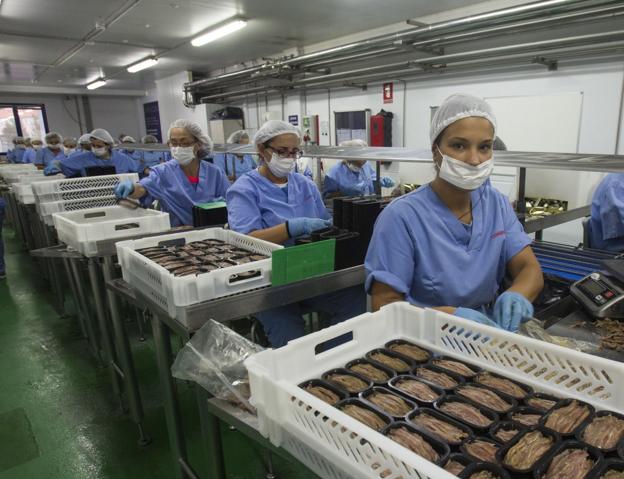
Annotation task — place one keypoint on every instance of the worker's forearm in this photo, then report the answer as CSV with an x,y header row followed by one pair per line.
x,y
529,282
382,294
276,234
138,192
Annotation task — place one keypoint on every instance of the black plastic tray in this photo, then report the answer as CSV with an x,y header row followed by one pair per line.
x,y
327,385
525,410
581,430
522,473
402,341
387,419
541,396
486,412
346,371
464,450
364,396
484,466
459,457
392,386
387,352
439,446
475,369
563,403
458,379
593,452
606,466
513,404
528,389
506,425
386,370
438,415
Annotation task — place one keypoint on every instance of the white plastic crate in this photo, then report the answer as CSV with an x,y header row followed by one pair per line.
x,y
23,193
13,176
46,210
5,168
171,292
82,229
79,188
292,418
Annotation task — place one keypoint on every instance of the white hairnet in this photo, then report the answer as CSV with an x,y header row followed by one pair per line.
x,y
71,139
195,130
149,139
128,139
273,128
53,135
457,107
237,136
85,139
353,143
102,135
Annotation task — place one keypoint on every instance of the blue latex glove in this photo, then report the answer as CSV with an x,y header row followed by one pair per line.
x,y
475,316
355,190
50,170
304,226
124,189
386,182
510,310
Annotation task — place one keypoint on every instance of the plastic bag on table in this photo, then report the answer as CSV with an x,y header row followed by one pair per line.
x,y
214,358
534,329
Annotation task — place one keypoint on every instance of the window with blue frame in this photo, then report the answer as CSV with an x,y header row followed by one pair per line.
x,y
21,120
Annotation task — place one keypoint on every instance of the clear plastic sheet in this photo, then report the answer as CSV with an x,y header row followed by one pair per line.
x,y
214,358
534,329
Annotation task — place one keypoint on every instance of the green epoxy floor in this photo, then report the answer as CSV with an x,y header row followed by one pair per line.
x,y
58,416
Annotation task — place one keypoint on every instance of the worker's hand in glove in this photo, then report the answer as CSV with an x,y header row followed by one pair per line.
x,y
124,189
511,309
386,182
355,190
475,316
52,168
304,226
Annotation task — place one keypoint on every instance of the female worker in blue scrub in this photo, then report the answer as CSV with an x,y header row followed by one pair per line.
x,y
352,177
276,204
102,156
449,244
31,153
16,155
606,225
52,152
235,166
184,181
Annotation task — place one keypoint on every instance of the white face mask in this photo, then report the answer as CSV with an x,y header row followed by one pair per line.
x,y
56,146
68,151
183,154
281,167
36,147
354,168
465,176
100,152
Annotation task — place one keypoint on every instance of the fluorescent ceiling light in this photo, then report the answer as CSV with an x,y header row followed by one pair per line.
x,y
96,84
142,65
212,35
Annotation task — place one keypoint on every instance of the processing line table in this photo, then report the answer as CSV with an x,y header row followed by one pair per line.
x,y
220,310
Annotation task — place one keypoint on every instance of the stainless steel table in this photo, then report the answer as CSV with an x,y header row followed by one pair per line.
x,y
221,310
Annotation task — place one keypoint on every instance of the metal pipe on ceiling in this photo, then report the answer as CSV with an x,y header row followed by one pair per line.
x,y
505,14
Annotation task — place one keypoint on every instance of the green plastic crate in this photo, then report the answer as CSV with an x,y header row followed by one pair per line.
x,y
212,205
296,263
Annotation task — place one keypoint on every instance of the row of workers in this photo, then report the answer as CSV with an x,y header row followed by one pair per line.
x,y
448,245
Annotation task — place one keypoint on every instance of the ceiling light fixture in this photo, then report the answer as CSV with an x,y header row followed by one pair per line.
x,y
142,65
219,32
96,84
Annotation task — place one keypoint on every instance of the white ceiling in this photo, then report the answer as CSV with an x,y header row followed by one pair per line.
x,y
36,33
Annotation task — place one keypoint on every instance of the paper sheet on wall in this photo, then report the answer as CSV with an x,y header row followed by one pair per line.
x,y
343,135
359,135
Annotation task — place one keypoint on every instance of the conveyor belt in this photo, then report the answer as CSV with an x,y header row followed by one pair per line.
x,y
569,262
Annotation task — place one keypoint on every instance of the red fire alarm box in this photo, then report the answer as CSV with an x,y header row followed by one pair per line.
x,y
388,92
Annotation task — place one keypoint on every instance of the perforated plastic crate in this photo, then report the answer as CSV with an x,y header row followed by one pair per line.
x,y
46,210
13,176
83,229
23,193
345,448
8,167
80,188
173,293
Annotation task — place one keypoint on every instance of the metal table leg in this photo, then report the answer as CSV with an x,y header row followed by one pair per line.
x,y
211,435
74,292
82,298
57,288
164,357
125,356
97,289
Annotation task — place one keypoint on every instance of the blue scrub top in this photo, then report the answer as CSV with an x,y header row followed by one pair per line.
x,y
420,249
169,184
45,156
75,165
256,203
29,155
16,155
341,178
243,165
606,225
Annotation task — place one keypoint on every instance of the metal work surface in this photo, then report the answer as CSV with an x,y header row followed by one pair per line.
x,y
532,225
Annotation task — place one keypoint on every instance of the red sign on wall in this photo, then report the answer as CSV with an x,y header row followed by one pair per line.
x,y
388,94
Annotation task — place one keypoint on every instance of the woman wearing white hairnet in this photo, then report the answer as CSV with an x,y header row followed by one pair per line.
x,y
449,244
52,153
101,156
233,165
184,181
352,177
276,204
